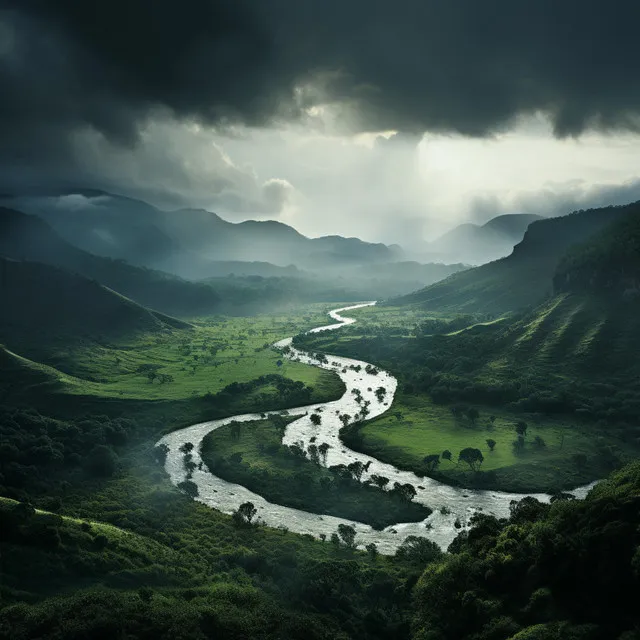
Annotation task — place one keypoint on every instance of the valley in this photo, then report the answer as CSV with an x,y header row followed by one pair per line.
x,y
214,447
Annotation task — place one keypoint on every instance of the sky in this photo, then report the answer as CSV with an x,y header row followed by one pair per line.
x,y
387,121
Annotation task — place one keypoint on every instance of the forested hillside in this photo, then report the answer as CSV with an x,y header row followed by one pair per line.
x,y
25,237
565,571
523,278
608,263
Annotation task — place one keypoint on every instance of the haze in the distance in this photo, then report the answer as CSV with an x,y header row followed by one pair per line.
x,y
375,126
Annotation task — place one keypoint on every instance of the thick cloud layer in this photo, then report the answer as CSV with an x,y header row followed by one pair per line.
x,y
460,65
73,71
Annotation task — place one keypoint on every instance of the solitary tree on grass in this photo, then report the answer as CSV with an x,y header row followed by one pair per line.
x,y
521,428
473,457
431,461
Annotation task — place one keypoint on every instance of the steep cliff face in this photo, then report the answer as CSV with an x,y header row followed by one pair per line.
x,y
525,277
608,263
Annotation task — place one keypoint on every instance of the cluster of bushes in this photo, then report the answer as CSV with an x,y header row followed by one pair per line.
x,y
39,454
289,392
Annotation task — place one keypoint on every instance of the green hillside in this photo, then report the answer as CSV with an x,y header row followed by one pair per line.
x,y
526,276
25,237
40,303
565,571
608,263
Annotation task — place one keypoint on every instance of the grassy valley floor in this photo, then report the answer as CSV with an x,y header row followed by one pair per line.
x,y
182,363
552,458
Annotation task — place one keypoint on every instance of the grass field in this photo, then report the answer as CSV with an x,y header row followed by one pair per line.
x,y
416,427
216,352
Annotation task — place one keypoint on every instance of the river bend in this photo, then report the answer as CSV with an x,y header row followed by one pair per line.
x,y
452,506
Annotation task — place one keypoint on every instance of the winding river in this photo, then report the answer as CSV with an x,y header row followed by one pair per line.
x,y
452,506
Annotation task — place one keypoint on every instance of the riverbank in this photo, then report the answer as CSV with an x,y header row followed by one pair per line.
x,y
452,507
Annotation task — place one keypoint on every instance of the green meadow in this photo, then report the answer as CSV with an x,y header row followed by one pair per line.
x,y
183,363
416,427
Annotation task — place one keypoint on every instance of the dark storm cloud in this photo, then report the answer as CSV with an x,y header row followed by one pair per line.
x,y
453,65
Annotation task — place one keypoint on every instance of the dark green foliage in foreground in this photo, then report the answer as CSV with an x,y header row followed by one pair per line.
x,y
256,458
40,454
569,570
168,566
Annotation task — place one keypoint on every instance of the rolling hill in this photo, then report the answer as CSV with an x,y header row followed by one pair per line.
x,y
523,278
42,305
186,241
26,237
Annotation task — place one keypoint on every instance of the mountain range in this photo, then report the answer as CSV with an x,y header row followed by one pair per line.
x,y
186,242
28,238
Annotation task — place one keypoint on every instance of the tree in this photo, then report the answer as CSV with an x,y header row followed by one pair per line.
x,y
379,481
161,452
446,455
539,442
316,419
152,375
518,445
406,491
491,443
418,550
347,534
314,454
189,487
473,414
356,469
102,461
473,457
432,461
278,363
187,447
344,418
521,428
323,449
245,513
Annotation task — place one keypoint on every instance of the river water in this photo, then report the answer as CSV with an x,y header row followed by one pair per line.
x,y
452,506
